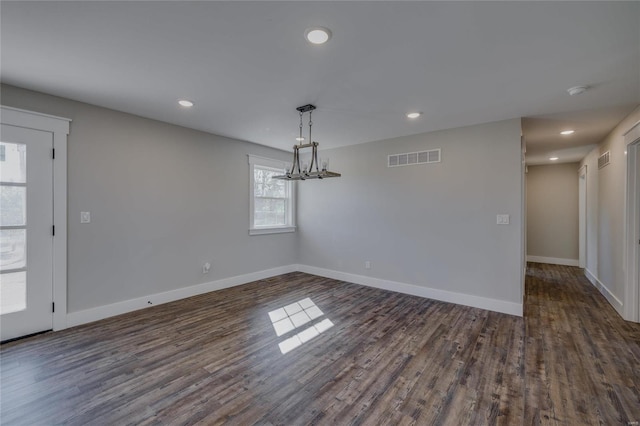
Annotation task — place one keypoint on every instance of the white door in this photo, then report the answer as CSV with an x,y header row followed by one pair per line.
x,y
26,227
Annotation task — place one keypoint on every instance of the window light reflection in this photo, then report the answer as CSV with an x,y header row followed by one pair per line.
x,y
295,315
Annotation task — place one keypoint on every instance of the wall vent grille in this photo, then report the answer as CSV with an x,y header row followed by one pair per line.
x,y
604,159
411,158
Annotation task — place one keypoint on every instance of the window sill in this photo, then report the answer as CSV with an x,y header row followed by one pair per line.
x,y
278,230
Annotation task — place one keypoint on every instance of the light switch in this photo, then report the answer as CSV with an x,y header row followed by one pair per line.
x,y
502,219
85,217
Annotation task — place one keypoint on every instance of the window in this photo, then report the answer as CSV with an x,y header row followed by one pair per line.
x,y
271,200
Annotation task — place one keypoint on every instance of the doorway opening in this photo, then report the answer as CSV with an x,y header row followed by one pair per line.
x,y
632,226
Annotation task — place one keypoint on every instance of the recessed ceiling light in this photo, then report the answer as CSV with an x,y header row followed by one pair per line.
x,y
317,35
414,114
567,132
185,103
553,158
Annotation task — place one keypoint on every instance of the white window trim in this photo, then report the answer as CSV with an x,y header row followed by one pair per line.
x,y
276,164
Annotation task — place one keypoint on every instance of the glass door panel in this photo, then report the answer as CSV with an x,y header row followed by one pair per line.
x,y
13,292
13,199
13,251
13,157
13,227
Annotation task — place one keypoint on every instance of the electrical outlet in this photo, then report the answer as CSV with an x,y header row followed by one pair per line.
x,y
367,265
206,268
502,219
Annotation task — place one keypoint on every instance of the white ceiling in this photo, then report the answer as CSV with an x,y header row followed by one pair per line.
x,y
247,66
544,139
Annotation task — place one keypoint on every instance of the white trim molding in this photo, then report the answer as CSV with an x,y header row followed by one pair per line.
x,y
633,134
613,300
123,307
59,127
34,120
118,308
280,166
272,230
632,227
495,305
554,260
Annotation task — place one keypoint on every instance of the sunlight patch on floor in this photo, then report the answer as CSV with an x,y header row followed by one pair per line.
x,y
294,316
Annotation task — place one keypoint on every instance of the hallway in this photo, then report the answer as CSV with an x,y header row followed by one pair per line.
x,y
582,360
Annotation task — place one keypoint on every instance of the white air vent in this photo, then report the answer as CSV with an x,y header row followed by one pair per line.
x,y
603,160
411,158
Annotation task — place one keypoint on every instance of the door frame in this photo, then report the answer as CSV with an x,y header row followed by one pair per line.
x,y
582,217
631,306
59,128
524,169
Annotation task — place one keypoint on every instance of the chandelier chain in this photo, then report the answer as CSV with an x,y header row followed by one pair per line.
x,y
301,125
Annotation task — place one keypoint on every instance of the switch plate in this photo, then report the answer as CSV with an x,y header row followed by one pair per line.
x,y
85,217
367,265
502,219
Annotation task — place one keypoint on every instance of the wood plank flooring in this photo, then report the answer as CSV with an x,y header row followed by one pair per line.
x,y
388,359
582,358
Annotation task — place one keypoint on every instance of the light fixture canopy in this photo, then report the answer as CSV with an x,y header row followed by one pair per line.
x,y
317,35
576,90
304,173
567,132
185,103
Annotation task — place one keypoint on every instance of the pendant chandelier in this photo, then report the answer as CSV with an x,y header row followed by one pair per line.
x,y
315,170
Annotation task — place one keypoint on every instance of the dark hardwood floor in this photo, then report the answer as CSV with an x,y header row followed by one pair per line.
x,y
582,358
368,357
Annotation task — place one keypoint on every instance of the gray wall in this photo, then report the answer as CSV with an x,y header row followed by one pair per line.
x,y
605,211
163,200
552,211
428,225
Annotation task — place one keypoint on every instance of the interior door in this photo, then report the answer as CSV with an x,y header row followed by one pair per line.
x,y
26,228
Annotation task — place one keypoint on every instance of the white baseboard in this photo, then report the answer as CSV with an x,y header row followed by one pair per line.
x,y
118,308
613,300
106,311
495,305
554,260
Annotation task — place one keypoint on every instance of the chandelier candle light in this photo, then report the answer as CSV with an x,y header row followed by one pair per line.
x,y
298,173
